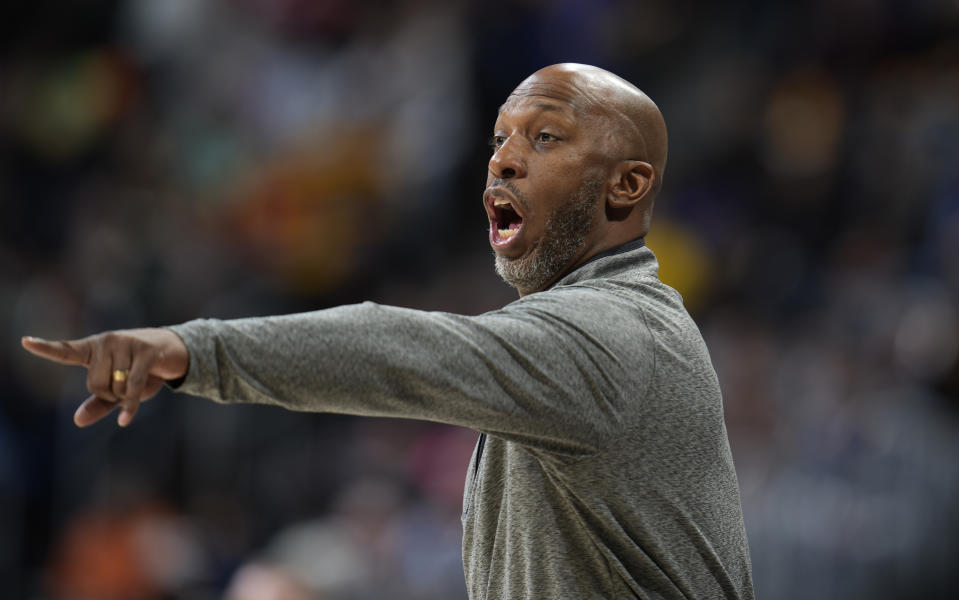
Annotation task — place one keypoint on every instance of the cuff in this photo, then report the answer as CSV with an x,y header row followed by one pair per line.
x,y
201,378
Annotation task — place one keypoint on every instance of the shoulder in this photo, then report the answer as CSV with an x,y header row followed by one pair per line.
x,y
608,318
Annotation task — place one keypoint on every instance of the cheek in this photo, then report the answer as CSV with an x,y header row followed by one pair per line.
x,y
565,177
556,166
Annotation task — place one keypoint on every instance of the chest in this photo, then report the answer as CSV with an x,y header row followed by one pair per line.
x,y
503,478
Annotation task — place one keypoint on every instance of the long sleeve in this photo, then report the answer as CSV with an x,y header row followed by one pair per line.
x,y
532,372
606,472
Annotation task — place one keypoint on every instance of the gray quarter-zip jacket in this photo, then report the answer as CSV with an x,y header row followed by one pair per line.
x,y
604,469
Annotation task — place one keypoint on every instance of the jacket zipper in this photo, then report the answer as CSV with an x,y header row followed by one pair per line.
x,y
475,473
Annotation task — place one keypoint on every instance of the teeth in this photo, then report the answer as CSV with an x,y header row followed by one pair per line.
x,y
507,233
501,202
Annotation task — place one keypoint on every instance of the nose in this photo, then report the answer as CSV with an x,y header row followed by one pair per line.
x,y
507,162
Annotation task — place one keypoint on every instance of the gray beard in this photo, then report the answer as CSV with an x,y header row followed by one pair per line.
x,y
567,227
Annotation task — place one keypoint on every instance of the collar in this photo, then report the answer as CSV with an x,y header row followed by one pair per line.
x,y
628,246
631,256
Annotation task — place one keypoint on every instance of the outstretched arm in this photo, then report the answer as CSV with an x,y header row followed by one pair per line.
x,y
534,372
124,368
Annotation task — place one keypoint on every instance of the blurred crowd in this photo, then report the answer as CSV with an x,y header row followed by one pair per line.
x,y
161,161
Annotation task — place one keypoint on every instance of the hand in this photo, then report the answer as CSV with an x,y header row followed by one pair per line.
x,y
124,368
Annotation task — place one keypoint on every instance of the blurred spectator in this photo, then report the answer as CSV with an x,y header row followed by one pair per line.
x,y
161,161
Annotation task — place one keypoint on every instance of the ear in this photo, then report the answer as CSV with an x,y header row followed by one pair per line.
x,y
633,180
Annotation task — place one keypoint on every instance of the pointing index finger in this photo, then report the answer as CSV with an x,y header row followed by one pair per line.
x,y
67,352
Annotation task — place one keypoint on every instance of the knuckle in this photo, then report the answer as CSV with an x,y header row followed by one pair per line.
x,y
86,351
69,347
147,349
99,385
147,353
100,390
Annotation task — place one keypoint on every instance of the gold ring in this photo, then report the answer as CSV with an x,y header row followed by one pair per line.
x,y
120,375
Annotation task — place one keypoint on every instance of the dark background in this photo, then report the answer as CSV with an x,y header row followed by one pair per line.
x,y
165,160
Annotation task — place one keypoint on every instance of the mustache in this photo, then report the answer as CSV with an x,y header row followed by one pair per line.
x,y
508,184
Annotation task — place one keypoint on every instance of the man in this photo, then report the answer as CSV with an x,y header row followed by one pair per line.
x,y
603,468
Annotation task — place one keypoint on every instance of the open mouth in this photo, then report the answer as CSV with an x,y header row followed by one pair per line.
x,y
505,221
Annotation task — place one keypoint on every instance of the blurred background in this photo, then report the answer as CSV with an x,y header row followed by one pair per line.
x,y
166,160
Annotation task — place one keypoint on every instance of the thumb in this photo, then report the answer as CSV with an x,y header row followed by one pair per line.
x,y
67,352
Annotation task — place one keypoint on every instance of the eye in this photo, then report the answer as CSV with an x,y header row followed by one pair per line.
x,y
546,138
495,141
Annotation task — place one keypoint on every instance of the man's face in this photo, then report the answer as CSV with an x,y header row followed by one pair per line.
x,y
544,184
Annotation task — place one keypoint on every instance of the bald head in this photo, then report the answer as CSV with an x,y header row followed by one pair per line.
x,y
636,128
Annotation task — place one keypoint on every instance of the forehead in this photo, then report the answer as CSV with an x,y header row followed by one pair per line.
x,y
559,97
534,107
